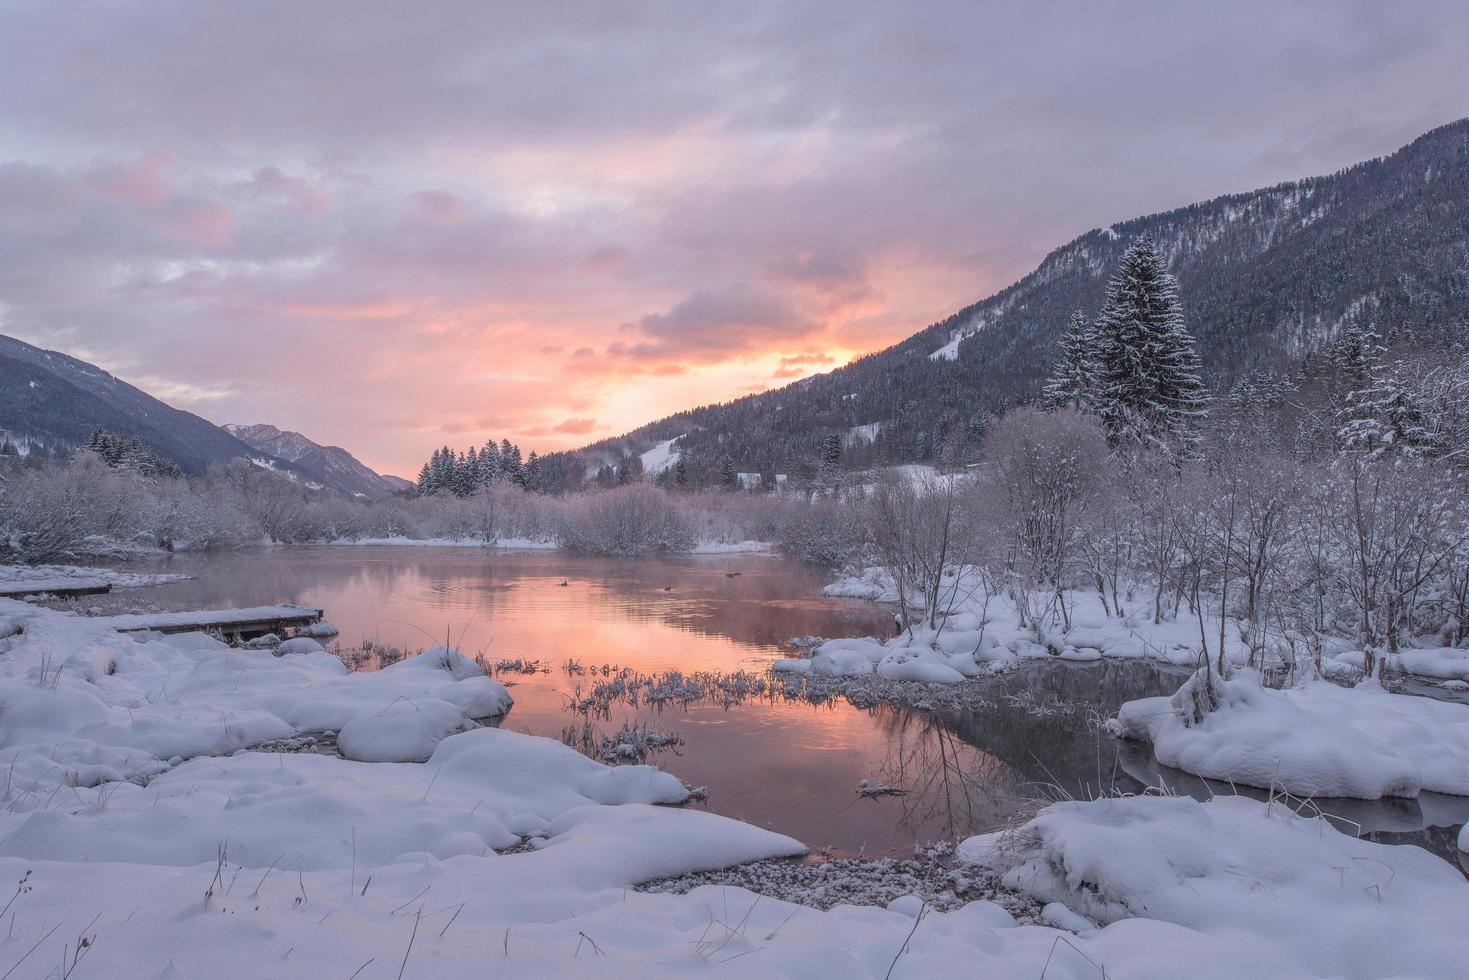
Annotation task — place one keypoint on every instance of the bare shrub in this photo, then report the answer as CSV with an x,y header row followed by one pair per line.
x,y
628,521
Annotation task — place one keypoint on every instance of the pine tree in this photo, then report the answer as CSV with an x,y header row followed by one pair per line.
x,y
1385,417
1148,386
510,464
1358,355
831,462
425,480
680,473
729,478
631,470
1071,383
489,463
533,478
472,478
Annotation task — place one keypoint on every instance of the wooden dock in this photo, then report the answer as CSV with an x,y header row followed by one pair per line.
x,y
233,624
60,587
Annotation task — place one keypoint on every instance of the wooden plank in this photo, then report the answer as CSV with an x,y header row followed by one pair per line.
x,y
56,587
237,622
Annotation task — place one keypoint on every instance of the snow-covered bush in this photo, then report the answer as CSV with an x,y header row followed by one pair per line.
x,y
824,533
627,521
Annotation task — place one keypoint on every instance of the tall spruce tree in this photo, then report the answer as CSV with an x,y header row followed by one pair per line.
x,y
831,462
489,463
729,477
533,477
1148,387
1071,384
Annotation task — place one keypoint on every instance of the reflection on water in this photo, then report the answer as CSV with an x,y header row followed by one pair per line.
x,y
790,766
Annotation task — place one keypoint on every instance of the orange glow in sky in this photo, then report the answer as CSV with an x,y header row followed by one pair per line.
x,y
554,223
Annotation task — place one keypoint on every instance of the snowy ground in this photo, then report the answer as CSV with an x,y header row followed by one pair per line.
x,y
508,544
538,544
146,838
975,639
1093,635
31,575
1297,894
1317,739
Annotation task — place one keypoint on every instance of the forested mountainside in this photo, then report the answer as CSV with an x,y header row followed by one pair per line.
x,y
1266,277
54,403
330,466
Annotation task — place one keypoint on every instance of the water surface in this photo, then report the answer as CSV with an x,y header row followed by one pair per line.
x,y
791,766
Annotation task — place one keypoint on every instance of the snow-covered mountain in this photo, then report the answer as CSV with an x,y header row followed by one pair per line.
x,y
331,466
1267,278
51,402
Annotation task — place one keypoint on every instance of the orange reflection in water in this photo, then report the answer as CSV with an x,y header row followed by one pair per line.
x,y
790,766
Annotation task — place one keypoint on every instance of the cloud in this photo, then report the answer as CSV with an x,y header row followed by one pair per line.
x,y
798,365
574,427
717,322
304,215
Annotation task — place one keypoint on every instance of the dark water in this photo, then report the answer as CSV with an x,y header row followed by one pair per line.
x,y
787,765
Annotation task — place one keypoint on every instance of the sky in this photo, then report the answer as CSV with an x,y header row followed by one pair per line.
x,y
395,226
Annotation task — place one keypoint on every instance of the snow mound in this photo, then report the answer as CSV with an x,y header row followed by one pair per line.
x,y
1236,866
403,731
1315,740
1435,663
94,705
934,657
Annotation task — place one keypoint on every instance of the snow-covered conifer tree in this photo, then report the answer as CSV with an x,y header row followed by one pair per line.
x,y
1072,382
1383,418
511,466
1148,387
831,461
471,478
489,463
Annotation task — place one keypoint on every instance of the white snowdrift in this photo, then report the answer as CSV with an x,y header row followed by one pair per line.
x,y
94,705
903,658
1329,903
33,576
1436,663
1318,739
1093,635
275,864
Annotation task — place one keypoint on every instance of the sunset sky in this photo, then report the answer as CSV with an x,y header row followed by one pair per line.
x,y
392,228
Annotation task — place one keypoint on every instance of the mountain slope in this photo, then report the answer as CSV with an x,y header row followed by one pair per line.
x,y
51,399
330,466
1266,277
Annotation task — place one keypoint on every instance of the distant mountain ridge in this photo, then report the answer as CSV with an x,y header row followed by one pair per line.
x,y
330,466
1267,278
52,400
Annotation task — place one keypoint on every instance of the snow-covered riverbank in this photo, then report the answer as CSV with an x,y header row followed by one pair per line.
x,y
140,825
547,544
36,576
